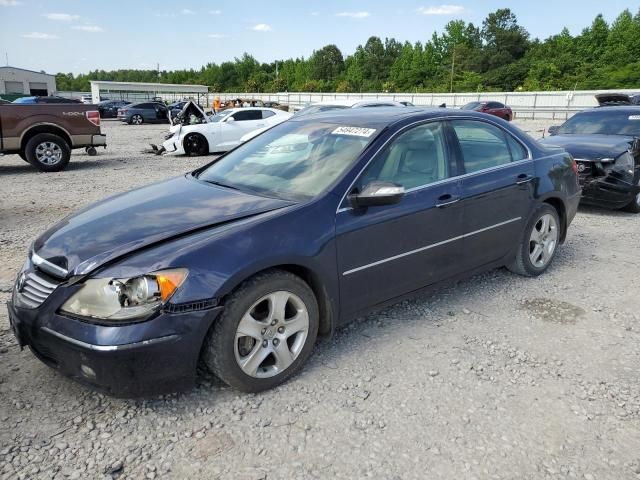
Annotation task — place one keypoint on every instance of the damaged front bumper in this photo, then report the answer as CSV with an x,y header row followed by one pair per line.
x,y
607,187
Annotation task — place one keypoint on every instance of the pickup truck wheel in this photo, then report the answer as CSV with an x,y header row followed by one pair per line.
x,y
195,145
23,156
48,152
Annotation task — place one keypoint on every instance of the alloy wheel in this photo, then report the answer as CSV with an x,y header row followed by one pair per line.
x,y
543,241
48,153
137,119
271,334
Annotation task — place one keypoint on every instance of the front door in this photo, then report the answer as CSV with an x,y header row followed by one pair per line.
x,y
497,189
387,251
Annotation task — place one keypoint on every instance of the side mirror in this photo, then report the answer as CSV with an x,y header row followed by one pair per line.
x,y
230,119
554,129
377,194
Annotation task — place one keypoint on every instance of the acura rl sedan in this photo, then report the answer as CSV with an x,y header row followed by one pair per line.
x,y
241,264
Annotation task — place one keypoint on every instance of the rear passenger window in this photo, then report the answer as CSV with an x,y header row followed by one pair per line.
x,y
484,145
416,158
518,152
267,113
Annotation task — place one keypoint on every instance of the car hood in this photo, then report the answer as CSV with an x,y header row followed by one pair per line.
x,y
591,147
143,217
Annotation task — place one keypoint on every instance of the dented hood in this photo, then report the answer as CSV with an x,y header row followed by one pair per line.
x,y
127,222
591,147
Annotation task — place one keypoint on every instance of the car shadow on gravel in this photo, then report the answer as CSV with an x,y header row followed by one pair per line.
x,y
604,212
75,165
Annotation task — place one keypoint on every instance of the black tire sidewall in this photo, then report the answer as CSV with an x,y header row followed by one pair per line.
x,y
47,137
219,353
530,268
203,150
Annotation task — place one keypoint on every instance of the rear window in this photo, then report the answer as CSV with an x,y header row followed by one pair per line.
x,y
601,122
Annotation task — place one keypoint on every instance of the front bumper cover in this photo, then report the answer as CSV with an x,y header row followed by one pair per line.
x,y
143,359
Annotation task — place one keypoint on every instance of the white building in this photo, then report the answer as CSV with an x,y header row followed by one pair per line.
x,y
26,82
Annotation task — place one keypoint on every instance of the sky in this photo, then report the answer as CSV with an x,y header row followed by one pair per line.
x,y
83,35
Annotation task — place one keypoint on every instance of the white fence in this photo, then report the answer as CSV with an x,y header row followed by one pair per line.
x,y
531,105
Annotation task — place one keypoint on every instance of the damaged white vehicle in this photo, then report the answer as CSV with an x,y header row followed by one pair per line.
x,y
194,133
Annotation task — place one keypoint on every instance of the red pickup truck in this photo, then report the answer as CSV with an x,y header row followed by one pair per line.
x,y
45,134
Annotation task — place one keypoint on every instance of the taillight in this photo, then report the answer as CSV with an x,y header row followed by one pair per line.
x,y
94,117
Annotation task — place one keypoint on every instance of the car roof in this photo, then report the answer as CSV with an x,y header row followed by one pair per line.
x,y
380,117
355,103
632,109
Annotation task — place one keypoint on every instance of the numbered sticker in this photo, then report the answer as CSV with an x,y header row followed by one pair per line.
x,y
634,117
354,131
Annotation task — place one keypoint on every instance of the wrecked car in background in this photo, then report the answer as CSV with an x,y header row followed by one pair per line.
x,y
194,133
617,99
605,143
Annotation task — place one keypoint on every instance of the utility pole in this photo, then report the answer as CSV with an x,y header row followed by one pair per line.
x,y
453,64
6,57
276,68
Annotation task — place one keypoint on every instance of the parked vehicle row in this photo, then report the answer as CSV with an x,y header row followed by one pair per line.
x,y
242,263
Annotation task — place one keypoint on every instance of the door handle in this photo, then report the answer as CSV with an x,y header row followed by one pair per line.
x,y
524,178
446,199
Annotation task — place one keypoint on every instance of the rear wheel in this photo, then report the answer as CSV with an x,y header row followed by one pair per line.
x,y
507,117
634,205
265,333
539,243
48,152
195,145
137,119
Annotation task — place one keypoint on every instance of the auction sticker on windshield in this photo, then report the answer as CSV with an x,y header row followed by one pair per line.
x,y
634,117
354,131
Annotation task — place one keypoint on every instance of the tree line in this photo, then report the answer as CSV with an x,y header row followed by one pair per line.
x,y
499,55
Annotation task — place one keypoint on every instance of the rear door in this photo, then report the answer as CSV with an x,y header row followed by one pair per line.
x,y
497,189
387,251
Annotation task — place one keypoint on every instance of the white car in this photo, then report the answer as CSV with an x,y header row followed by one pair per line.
x,y
194,133
328,105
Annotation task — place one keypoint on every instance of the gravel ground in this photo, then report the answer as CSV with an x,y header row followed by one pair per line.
x,y
499,377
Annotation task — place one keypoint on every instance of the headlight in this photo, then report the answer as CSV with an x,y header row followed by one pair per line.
x,y
125,298
624,163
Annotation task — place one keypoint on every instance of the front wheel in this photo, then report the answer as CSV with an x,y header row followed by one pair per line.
x,y
265,333
634,205
195,145
539,243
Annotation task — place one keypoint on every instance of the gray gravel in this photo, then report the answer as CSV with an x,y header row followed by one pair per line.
x,y
499,377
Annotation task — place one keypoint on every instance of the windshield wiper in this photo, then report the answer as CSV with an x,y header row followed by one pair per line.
x,y
220,184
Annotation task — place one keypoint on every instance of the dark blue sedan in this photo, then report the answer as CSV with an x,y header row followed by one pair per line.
x,y
241,264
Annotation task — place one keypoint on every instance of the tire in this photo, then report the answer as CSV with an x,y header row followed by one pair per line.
x,y
48,152
195,145
530,261
136,119
507,118
23,156
91,151
225,348
634,205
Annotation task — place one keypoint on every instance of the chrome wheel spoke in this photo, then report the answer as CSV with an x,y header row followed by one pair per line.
x,y
254,359
299,323
278,305
283,355
250,327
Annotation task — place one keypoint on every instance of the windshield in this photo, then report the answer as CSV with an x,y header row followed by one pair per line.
x,y
294,160
471,106
603,123
220,116
25,100
311,109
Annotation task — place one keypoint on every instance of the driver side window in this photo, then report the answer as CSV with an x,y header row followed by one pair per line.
x,y
414,159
